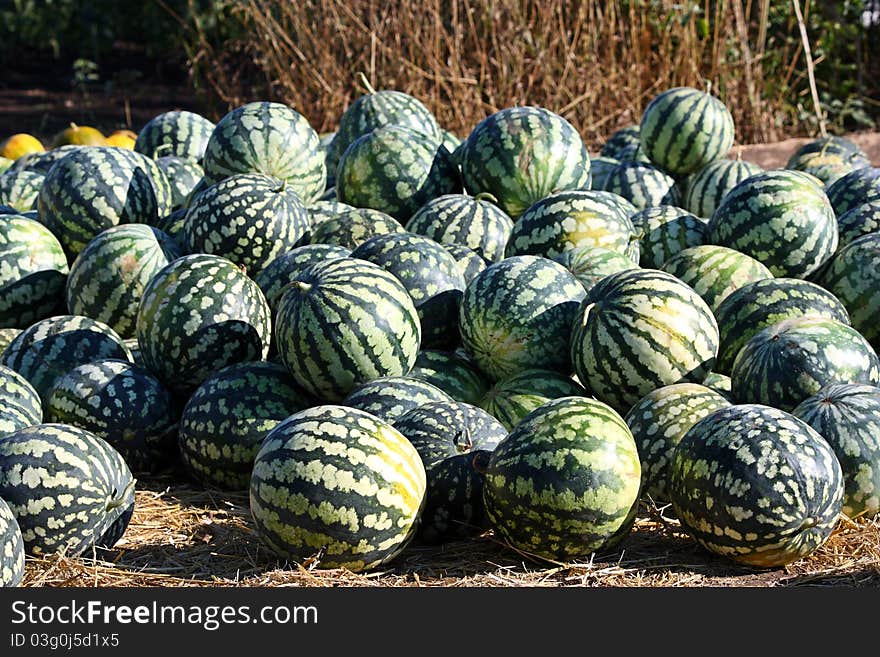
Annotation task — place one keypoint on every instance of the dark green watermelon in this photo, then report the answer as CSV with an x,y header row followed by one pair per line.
x,y
283,270
511,399
452,373
183,175
389,397
664,231
11,548
624,144
600,168
853,189
19,189
708,186
470,263
323,210
642,184
351,228
228,416
172,225
178,133
20,405
42,162
857,222
828,158
590,264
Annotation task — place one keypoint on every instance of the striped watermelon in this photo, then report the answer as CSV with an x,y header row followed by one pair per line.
x,y
616,199
450,140
121,403
431,276
659,421
684,129
640,330
858,221
511,399
756,485
470,263
642,184
95,188
68,489
459,219
517,315
360,513
109,276
856,187
565,482
590,264
787,362
42,162
324,210
19,189
600,169
351,228
522,154
183,175
781,218
395,170
624,145
853,276
267,138
283,270
249,219
228,416
665,231
12,550
760,304
377,109
848,417
389,397
714,272
344,322
33,271
454,441
199,314
172,225
5,164
20,404
7,335
570,220
54,346
708,186
828,158
454,374
721,384
178,133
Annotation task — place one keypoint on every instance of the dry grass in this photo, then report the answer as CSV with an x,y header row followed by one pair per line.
x,y
185,536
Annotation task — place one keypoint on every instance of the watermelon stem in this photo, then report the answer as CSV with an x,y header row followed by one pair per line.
x,y
119,500
366,83
486,196
462,441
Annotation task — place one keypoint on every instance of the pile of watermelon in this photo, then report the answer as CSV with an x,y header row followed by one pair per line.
x,y
388,334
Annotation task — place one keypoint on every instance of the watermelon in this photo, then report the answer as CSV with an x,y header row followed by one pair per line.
x,y
7,335
570,220
640,330
684,129
363,507
395,170
853,276
20,404
469,262
756,485
450,140
828,158
282,270
249,219
459,219
454,441
42,162
54,346
267,138
787,362
95,188
19,189
511,399
172,225
665,231
780,218
847,416
351,228
757,305
431,276
228,416
616,199
454,374
197,315
714,272
853,189
858,221
183,175
5,164
624,144
642,184
517,315
600,168
123,404
324,210
178,133
522,154
344,322
590,264
565,481
389,397
720,383
659,421
68,489
33,271
12,550
108,277
708,186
